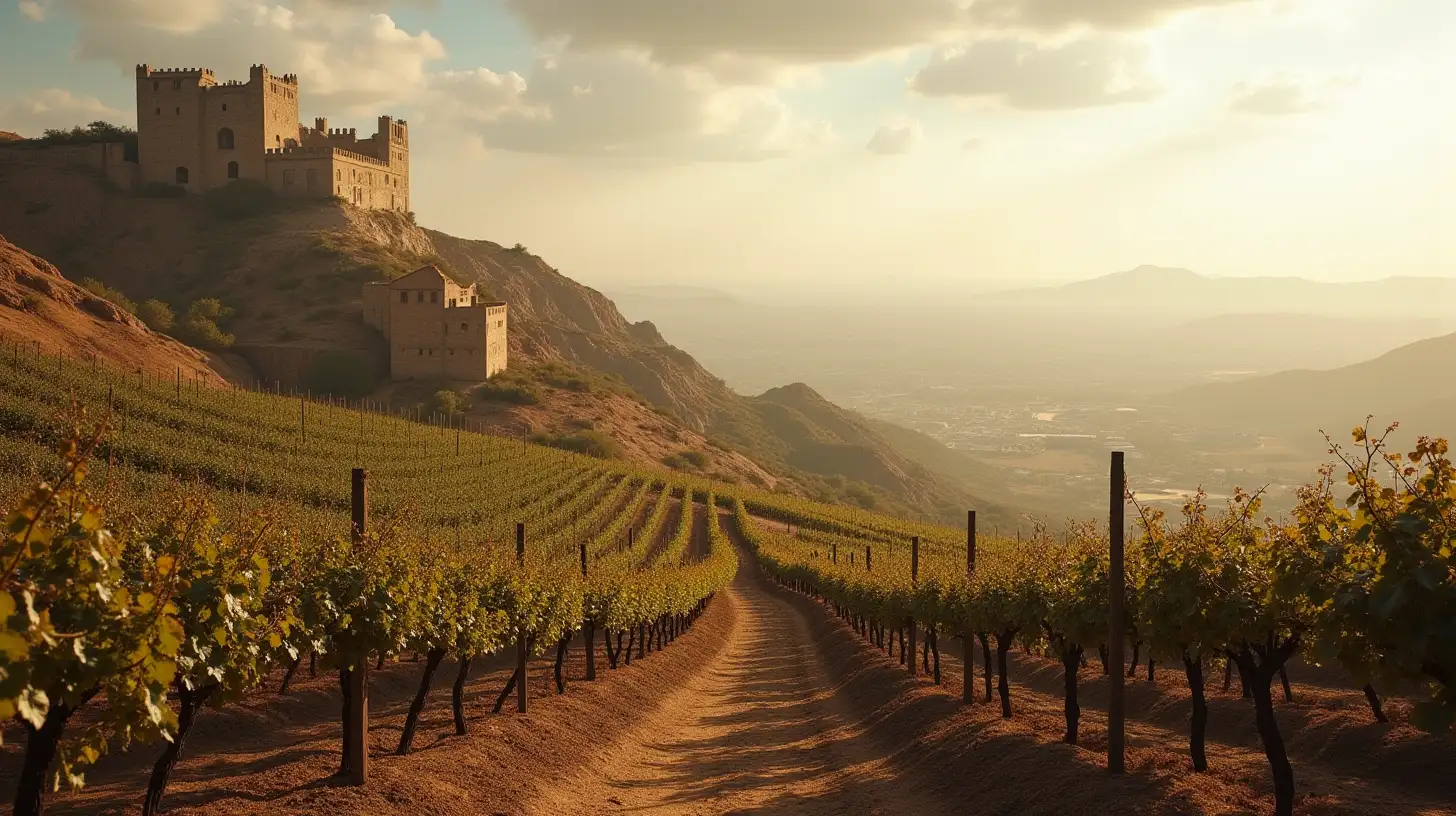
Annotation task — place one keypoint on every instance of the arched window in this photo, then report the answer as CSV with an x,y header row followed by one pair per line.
x,y
225,139
181,175
232,170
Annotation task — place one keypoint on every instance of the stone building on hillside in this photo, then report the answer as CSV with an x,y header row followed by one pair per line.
x,y
436,328
198,133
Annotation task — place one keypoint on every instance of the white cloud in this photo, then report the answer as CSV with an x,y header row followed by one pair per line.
x,y
33,113
702,32
349,59
1051,15
897,136
1088,72
32,9
781,31
621,104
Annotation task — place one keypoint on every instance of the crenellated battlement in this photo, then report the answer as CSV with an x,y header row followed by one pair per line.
x,y
200,134
145,70
315,152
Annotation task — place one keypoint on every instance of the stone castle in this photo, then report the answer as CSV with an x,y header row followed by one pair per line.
x,y
436,328
198,133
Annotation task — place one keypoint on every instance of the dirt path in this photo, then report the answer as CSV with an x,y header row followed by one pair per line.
x,y
762,730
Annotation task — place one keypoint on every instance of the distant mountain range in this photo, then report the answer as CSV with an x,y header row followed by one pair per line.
x,y
1188,292
1411,384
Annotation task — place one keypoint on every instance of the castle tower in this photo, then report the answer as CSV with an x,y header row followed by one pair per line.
x,y
393,135
169,114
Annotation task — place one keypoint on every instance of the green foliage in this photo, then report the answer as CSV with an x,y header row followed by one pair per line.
x,y
1378,570
240,199
101,290
78,624
156,314
511,393
445,401
200,325
590,443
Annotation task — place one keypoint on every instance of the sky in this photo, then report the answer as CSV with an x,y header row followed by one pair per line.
x,y
804,146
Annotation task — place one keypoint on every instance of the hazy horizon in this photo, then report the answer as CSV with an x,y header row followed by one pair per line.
x,y
934,143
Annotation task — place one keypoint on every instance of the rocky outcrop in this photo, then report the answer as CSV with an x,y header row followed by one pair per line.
x,y
39,308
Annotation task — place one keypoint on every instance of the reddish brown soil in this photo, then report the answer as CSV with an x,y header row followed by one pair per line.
x,y
275,755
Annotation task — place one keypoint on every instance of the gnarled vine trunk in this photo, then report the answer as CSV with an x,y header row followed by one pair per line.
x,y
1198,725
1071,662
189,701
412,720
40,750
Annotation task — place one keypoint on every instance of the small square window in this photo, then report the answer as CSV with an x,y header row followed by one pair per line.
x,y
224,106
420,296
434,297
179,111
159,111
404,297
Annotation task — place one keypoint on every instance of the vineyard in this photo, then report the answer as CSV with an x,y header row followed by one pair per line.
x,y
191,543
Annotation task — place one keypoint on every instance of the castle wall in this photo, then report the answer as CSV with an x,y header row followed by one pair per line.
x,y
237,107
496,346
316,172
377,307
169,119
300,172
105,158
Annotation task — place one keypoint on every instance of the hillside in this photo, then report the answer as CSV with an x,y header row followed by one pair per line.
x,y
1403,385
1186,292
293,276
38,305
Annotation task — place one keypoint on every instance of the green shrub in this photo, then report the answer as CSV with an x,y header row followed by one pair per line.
x,y
445,401
591,443
157,315
510,393
342,374
244,198
200,328
695,458
101,290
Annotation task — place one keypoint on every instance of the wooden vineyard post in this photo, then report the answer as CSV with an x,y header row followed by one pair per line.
x,y
521,636
968,638
914,580
868,566
356,745
1115,623
970,542
589,631
834,551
